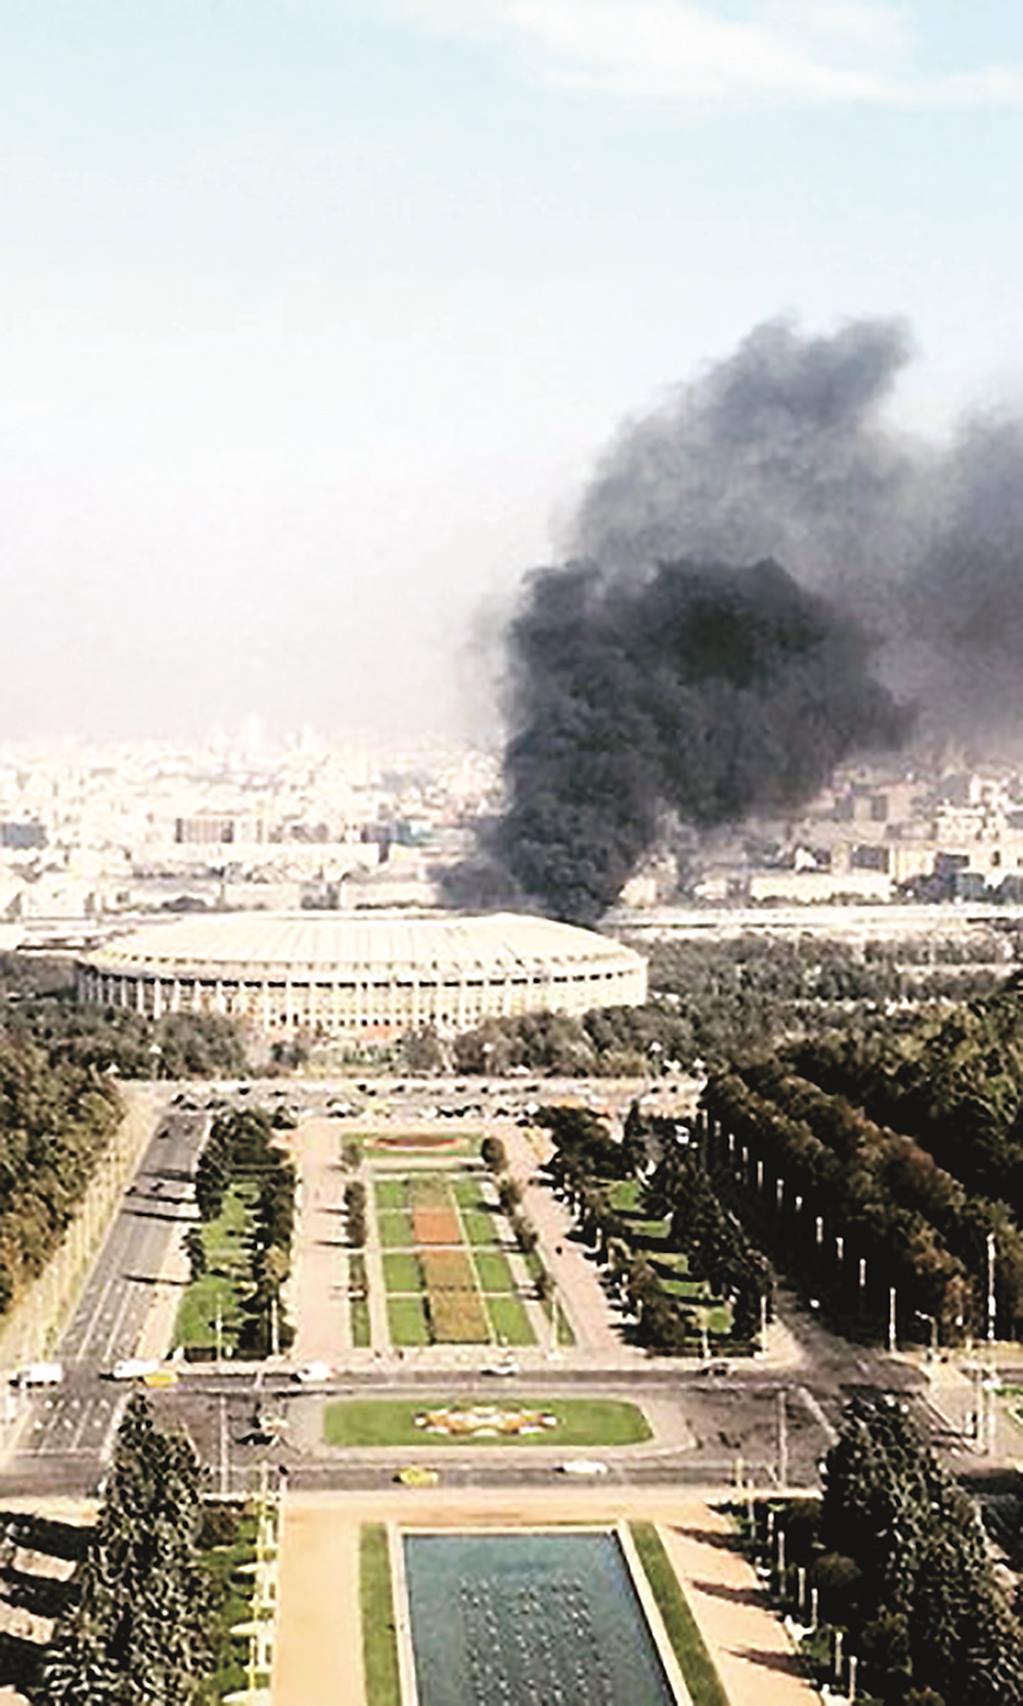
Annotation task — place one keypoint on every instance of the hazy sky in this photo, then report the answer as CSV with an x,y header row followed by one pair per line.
x,y
315,312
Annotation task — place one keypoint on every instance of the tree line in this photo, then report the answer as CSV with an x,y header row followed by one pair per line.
x,y
241,1146
586,1165
57,1117
139,1630
901,1563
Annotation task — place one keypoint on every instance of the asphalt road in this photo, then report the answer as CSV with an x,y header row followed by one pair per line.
x,y
69,1428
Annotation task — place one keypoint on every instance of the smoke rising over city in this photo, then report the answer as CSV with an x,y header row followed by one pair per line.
x,y
765,579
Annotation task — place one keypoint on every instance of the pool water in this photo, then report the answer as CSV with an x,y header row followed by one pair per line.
x,y
532,1619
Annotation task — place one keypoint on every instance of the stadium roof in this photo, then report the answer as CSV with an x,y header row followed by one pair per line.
x,y
322,941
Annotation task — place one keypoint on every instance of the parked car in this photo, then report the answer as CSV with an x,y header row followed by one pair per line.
x,y
583,1466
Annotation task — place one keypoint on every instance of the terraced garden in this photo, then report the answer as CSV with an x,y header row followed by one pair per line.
x,y
448,1280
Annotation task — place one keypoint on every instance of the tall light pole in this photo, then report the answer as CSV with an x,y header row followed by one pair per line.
x,y
991,1300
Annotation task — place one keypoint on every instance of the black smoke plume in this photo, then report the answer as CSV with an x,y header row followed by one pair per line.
x,y
650,673
713,691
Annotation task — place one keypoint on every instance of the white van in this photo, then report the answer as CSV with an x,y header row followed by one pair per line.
x,y
39,1374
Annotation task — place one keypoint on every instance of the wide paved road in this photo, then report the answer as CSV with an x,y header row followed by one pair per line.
x,y
68,1430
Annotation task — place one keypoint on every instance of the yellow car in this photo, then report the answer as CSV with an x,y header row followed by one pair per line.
x,y
415,1475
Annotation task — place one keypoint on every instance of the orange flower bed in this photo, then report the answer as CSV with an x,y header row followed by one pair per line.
x,y
435,1226
457,1318
447,1270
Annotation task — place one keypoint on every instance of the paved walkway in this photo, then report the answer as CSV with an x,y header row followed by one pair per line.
x,y
319,1623
376,1284
318,1287
580,1295
748,1642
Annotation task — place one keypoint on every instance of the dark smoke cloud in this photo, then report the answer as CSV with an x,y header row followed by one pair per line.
x,y
713,691
653,672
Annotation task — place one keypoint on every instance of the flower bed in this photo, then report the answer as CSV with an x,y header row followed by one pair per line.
x,y
436,1226
447,1270
457,1317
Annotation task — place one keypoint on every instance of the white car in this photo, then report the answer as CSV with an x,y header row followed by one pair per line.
x,y
503,1369
583,1466
134,1368
312,1373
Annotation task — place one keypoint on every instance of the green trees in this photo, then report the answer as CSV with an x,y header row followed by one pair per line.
x,y
241,1146
138,1630
56,1119
927,1608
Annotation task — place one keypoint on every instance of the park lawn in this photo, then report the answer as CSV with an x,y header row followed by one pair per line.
x,y
389,1193
402,1272
493,1271
359,1310
379,1634
406,1319
718,1320
468,1191
623,1196
395,1228
228,1275
391,1421
509,1321
479,1226
697,1666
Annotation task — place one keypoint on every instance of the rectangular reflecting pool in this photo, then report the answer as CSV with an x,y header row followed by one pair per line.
x,y
530,1619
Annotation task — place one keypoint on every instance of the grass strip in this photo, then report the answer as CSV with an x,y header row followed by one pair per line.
x,y
479,1226
350,1422
402,1272
228,1276
395,1228
509,1322
379,1636
389,1193
407,1321
359,1310
493,1271
695,1662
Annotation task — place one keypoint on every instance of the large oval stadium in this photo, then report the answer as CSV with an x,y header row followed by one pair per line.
x,y
362,976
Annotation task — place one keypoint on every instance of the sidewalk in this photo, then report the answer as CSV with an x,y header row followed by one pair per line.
x,y
747,1641
318,1300
579,1291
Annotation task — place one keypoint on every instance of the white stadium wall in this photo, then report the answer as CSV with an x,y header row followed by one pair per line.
x,y
356,976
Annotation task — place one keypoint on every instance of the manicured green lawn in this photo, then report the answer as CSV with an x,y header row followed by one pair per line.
x,y
493,1271
389,1193
402,1272
395,1229
480,1227
360,1323
391,1421
509,1321
407,1320
379,1638
696,1664
228,1275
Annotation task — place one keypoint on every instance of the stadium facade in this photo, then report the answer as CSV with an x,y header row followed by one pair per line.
x,y
366,977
